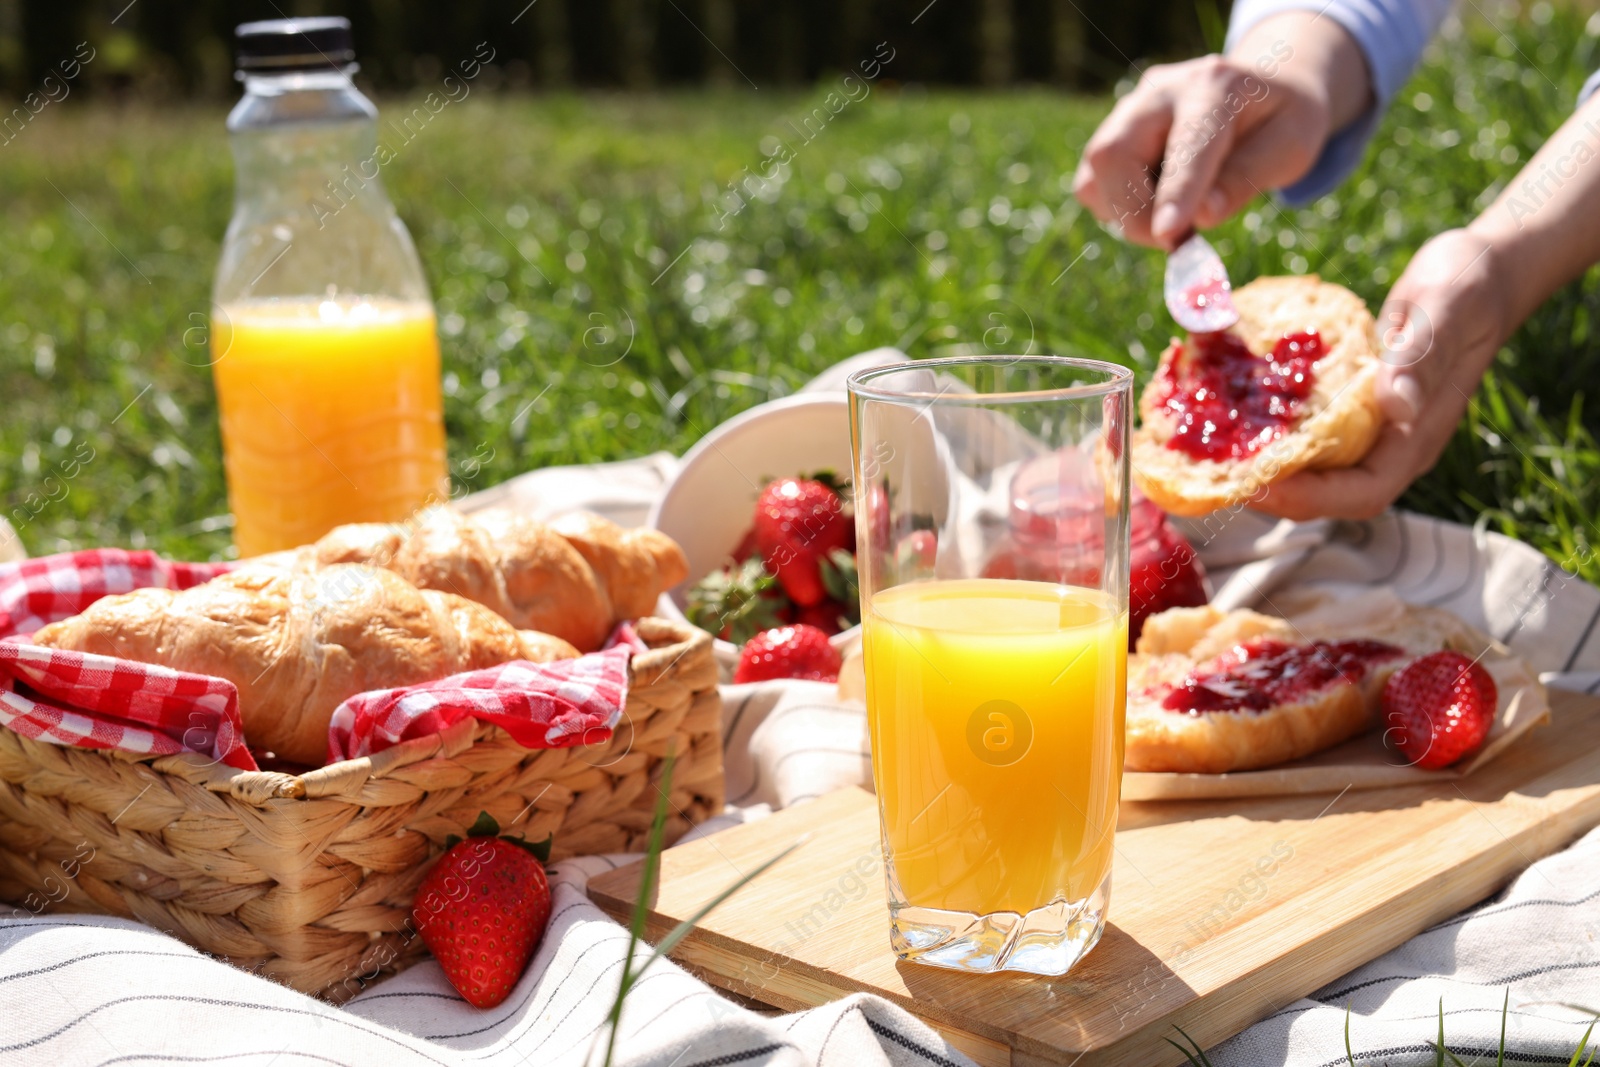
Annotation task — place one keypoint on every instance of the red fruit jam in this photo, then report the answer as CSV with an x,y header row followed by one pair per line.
x,y
1057,534
1229,402
1265,672
1213,293
1163,570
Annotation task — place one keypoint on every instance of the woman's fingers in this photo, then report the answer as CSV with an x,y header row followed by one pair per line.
x,y
1278,152
1114,178
1405,449
1406,332
1358,492
1214,129
1405,344
1440,326
1209,115
1193,157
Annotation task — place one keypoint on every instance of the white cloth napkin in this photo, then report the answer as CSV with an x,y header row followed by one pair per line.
x,y
89,990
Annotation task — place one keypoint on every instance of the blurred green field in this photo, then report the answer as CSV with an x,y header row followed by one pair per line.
x,y
597,300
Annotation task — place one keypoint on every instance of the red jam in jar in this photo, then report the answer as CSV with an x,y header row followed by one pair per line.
x,y
1057,534
1163,569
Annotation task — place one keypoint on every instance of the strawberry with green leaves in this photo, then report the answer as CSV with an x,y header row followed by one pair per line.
x,y
796,564
829,616
482,910
737,602
799,522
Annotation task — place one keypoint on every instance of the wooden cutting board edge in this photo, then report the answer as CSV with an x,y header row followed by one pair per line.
x,y
1562,812
1303,970
717,959
705,958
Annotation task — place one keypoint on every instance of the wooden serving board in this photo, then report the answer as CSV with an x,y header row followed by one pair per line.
x,y
1222,911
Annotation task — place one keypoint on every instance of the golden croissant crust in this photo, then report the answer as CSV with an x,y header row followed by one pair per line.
x,y
298,643
575,578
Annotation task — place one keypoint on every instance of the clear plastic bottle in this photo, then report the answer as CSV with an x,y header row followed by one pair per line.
x,y
324,346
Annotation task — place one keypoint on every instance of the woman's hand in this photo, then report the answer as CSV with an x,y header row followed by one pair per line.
x,y
1221,129
1440,328
1460,297
1219,134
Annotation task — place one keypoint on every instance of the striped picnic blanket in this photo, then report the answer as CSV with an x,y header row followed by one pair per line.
x,y
82,990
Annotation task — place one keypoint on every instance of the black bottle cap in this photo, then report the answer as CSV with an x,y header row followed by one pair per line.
x,y
280,46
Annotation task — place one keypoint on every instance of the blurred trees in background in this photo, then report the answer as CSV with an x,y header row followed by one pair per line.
x,y
183,48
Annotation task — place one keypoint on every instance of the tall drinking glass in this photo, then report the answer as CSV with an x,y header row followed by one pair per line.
x,y
992,517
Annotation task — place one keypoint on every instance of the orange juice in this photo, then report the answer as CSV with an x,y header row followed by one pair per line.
x,y
331,413
996,713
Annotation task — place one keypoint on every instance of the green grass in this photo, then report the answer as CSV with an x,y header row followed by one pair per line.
x,y
930,221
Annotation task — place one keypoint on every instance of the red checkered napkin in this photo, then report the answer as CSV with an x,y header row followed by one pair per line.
x,y
78,698
541,705
36,592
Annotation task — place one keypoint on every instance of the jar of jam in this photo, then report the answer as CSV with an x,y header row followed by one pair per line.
x,y
1056,533
1163,569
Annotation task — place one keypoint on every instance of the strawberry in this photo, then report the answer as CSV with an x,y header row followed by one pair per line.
x,y
746,548
1164,571
1439,708
797,651
916,552
736,603
482,909
879,515
1005,562
830,616
798,522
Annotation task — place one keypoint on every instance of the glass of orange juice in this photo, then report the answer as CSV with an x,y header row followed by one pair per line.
x,y
992,525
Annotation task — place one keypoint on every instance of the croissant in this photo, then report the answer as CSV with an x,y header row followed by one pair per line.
x,y
576,578
297,643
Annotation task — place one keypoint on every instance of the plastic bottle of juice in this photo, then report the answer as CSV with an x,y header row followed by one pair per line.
x,y
323,341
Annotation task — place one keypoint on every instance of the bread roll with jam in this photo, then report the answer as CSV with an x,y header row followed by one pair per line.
x,y
1289,388
1212,691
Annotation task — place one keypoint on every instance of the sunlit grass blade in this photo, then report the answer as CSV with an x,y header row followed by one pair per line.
x,y
641,906
679,932
652,857
1196,1058
1505,1013
648,880
1187,1055
1583,1045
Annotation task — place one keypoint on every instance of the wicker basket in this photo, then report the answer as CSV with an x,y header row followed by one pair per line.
x,y
309,879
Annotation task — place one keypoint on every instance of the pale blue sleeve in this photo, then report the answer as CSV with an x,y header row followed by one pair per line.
x,y
1390,33
1589,87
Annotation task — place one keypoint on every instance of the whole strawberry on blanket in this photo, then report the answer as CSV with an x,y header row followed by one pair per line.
x,y
482,911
